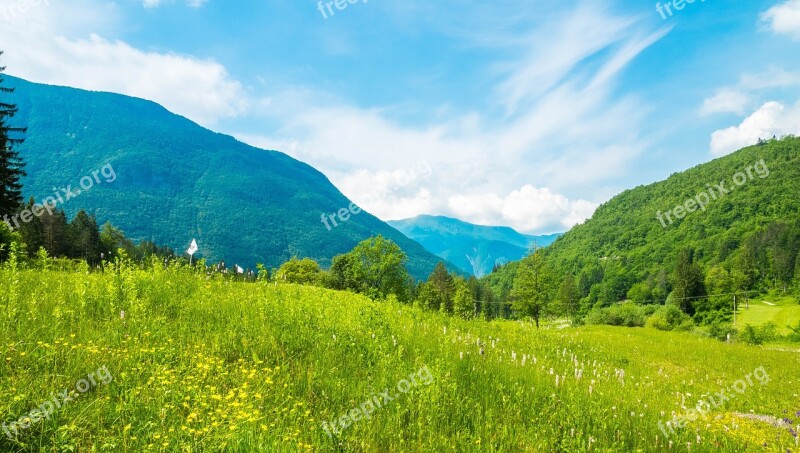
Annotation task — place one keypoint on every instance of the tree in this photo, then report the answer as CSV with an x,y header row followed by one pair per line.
x,y
463,304
687,281
568,296
112,239
640,293
533,287
427,297
341,276
444,285
301,271
375,267
32,232
797,279
54,231
11,166
84,237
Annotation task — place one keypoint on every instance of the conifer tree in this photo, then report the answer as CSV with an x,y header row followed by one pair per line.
x,y
11,166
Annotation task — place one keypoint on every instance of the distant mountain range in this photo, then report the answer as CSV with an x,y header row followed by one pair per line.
x,y
475,249
176,181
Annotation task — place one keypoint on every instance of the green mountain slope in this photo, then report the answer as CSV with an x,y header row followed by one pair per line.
x,y
747,239
177,181
627,226
475,249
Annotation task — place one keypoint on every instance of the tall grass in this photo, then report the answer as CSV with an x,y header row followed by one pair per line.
x,y
202,364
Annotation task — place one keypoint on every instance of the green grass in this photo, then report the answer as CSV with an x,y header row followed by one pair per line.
x,y
784,312
207,365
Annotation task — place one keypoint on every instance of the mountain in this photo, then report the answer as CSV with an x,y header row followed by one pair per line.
x,y
642,224
746,235
475,249
174,180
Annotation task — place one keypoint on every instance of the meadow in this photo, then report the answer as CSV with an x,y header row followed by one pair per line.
x,y
782,311
199,363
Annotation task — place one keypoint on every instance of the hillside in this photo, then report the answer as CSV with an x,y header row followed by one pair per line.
x,y
745,238
179,362
176,181
475,249
627,226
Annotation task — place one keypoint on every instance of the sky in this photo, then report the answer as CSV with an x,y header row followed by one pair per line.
x,y
528,114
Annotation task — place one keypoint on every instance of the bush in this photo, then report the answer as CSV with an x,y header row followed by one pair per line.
x,y
670,317
759,334
626,314
720,330
795,335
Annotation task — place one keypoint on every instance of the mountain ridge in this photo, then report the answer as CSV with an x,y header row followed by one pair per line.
x,y
177,181
475,249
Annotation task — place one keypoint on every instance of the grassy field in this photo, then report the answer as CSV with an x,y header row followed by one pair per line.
x,y
783,311
172,361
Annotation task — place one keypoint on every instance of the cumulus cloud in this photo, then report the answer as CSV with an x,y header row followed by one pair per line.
x,y
772,119
528,209
726,100
784,19
200,89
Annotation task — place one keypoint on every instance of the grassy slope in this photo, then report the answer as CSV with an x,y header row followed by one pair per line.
x,y
214,365
785,312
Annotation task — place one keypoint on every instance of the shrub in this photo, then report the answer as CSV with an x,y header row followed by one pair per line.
x,y
720,330
759,334
626,314
669,317
795,335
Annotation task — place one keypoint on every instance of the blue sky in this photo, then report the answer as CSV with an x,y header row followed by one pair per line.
x,y
527,114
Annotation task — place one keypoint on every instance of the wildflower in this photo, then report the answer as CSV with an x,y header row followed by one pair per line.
x,y
122,314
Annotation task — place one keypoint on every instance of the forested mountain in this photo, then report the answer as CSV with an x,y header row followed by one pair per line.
x,y
641,246
160,177
475,249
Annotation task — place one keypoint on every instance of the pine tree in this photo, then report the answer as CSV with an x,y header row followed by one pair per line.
x,y
568,295
32,232
11,166
687,281
84,237
54,232
443,282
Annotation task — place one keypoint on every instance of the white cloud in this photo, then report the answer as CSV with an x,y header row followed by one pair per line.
x,y
555,125
726,100
528,209
784,19
199,89
772,118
